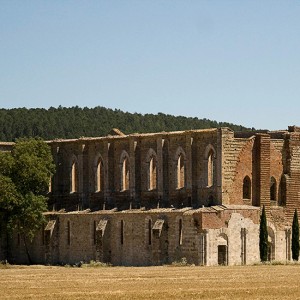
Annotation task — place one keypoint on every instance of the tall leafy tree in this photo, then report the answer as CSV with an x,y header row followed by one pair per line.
x,y
263,236
33,166
295,237
24,179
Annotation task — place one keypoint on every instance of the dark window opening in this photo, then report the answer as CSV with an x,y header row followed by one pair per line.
x,y
149,232
122,232
180,232
273,189
247,188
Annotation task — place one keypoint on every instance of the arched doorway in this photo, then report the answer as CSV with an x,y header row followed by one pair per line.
x,y
222,250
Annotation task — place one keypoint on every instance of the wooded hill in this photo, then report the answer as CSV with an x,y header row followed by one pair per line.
x,y
75,122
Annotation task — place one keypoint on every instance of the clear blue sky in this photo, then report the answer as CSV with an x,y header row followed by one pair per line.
x,y
235,61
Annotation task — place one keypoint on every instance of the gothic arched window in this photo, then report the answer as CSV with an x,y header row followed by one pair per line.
x,y
180,172
124,172
99,176
74,177
247,188
273,188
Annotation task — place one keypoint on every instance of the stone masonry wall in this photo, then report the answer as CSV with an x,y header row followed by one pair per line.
x,y
195,210
126,238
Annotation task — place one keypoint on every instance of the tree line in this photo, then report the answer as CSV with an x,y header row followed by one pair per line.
x,y
75,122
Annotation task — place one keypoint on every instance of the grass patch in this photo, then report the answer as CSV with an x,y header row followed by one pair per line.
x,y
277,263
4,265
95,264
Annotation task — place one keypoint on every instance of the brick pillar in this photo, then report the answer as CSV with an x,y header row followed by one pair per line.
x,y
166,169
261,182
293,172
81,176
106,146
132,146
188,145
159,167
219,163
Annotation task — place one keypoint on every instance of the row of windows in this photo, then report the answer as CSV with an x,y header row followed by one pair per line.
x,y
151,172
122,232
273,190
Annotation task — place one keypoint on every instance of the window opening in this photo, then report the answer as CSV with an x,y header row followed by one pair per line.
x,y
74,178
125,175
247,188
273,189
152,174
99,176
149,232
180,172
180,232
210,168
122,232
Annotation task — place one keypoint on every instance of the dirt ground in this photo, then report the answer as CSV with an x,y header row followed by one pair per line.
x,y
251,282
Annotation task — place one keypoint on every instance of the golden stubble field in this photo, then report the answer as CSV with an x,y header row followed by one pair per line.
x,y
247,282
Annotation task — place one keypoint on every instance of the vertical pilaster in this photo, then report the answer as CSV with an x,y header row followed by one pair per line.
x,y
81,178
106,146
160,182
132,147
293,171
262,184
203,248
80,168
188,147
243,246
288,244
218,168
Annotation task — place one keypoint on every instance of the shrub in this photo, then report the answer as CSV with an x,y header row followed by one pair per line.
x,y
95,264
180,263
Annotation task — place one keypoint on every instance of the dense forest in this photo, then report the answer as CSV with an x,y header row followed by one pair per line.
x,y
75,122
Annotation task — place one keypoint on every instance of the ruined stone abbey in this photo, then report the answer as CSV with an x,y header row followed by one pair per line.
x,y
151,199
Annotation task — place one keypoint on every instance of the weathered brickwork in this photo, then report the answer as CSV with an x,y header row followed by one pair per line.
x,y
151,199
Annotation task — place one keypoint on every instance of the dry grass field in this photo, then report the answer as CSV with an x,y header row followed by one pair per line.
x,y
251,282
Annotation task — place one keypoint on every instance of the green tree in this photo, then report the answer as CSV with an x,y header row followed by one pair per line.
x,y
24,181
9,201
295,237
263,236
33,166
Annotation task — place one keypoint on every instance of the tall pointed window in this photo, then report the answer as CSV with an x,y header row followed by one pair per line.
x,y
99,176
180,172
69,233
247,188
210,168
180,232
122,233
152,174
282,191
151,164
273,188
125,175
74,177
149,232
